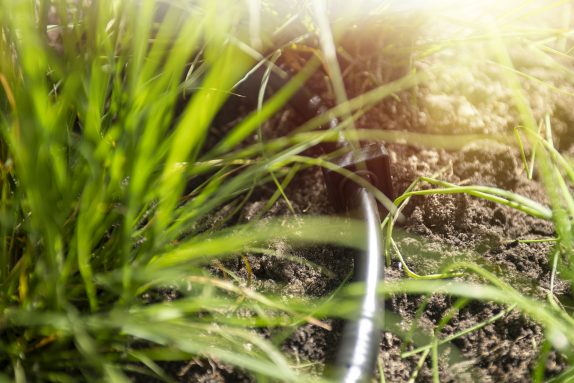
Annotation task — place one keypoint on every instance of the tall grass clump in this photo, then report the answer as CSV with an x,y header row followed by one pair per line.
x,y
106,191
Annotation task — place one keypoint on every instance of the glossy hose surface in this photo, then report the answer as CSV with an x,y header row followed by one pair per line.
x,y
359,345
358,350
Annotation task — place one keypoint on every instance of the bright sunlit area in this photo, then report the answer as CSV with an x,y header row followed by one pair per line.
x,y
286,191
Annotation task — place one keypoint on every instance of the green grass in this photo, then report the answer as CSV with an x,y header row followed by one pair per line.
x,y
93,216
94,163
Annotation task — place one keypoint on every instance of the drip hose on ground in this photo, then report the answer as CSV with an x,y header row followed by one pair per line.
x,y
358,349
359,345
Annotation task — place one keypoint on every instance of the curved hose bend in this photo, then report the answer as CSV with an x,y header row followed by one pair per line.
x,y
358,350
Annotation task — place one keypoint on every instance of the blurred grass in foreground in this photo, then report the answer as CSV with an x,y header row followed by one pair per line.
x,y
94,164
107,192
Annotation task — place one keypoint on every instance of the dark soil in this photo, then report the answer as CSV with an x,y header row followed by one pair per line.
x,y
438,229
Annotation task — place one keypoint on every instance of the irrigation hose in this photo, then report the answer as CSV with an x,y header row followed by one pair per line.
x,y
358,349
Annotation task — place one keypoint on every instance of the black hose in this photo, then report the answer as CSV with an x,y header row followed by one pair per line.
x,y
359,344
358,349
